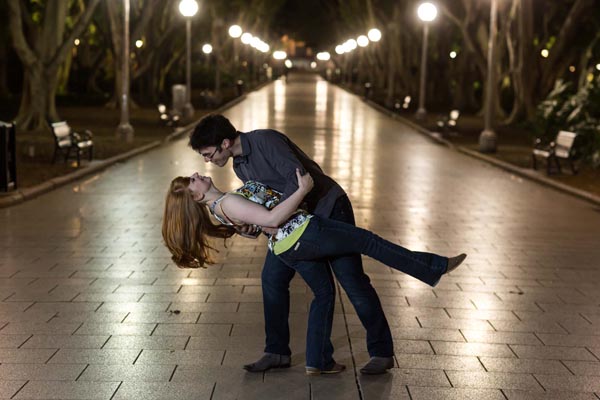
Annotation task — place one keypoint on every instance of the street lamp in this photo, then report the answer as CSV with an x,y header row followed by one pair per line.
x,y
235,31
374,35
125,130
188,8
427,13
487,139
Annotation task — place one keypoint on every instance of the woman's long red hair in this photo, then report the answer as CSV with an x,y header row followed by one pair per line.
x,y
187,227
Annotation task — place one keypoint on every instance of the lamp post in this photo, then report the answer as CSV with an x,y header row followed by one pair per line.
x,y
488,138
427,13
125,130
188,8
235,31
207,49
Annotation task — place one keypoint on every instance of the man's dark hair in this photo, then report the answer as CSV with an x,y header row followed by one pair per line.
x,y
211,131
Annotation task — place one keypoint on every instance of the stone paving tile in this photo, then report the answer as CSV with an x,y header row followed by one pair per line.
x,y
537,327
52,327
90,316
493,380
482,314
62,390
108,297
492,364
162,316
138,289
432,393
455,323
472,349
9,388
595,351
92,328
568,340
222,290
125,373
232,343
146,342
65,342
415,377
25,355
410,347
94,356
584,367
176,298
232,375
451,335
164,391
342,386
127,307
553,353
40,372
548,395
424,361
501,337
12,341
384,386
569,383
65,307
181,357
218,330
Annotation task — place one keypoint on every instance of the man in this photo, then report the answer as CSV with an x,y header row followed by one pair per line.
x,y
270,157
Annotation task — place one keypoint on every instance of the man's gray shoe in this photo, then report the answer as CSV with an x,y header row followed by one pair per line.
x,y
454,262
268,361
377,365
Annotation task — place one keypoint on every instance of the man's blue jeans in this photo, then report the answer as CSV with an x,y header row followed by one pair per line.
x,y
348,269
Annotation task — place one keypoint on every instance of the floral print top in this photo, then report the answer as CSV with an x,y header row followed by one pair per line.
x,y
261,194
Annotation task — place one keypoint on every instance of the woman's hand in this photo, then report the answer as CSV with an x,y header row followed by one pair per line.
x,y
305,182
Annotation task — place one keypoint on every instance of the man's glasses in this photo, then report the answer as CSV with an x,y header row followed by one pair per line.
x,y
209,157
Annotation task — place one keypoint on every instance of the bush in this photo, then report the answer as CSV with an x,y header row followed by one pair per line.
x,y
576,111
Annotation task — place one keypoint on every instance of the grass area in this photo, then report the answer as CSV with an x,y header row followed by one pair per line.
x,y
35,149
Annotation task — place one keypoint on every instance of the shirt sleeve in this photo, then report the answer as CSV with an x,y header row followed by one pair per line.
x,y
282,159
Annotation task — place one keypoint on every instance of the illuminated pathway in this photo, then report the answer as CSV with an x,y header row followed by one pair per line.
x,y
88,292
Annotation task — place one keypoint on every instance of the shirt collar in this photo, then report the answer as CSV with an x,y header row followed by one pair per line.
x,y
246,150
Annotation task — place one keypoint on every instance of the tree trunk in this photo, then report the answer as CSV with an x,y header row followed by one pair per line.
x,y
4,91
42,58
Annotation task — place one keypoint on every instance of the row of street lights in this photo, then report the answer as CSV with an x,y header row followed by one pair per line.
x,y
374,35
427,13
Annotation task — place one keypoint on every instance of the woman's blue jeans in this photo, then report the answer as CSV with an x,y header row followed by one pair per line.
x,y
326,238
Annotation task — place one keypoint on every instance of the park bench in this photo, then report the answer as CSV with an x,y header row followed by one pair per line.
x,y
449,122
560,147
68,142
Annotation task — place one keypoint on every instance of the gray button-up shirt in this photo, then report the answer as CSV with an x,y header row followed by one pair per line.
x,y
271,158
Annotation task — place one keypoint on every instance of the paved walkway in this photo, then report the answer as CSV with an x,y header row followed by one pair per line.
x,y
89,297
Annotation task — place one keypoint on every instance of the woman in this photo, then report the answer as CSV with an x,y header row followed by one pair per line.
x,y
300,239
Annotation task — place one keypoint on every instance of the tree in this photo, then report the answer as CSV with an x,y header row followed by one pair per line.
x,y
42,48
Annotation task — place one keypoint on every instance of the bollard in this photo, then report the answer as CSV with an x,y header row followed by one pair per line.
x,y
240,87
8,157
367,90
179,99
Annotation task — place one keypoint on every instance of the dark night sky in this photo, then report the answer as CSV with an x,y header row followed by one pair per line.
x,y
308,20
